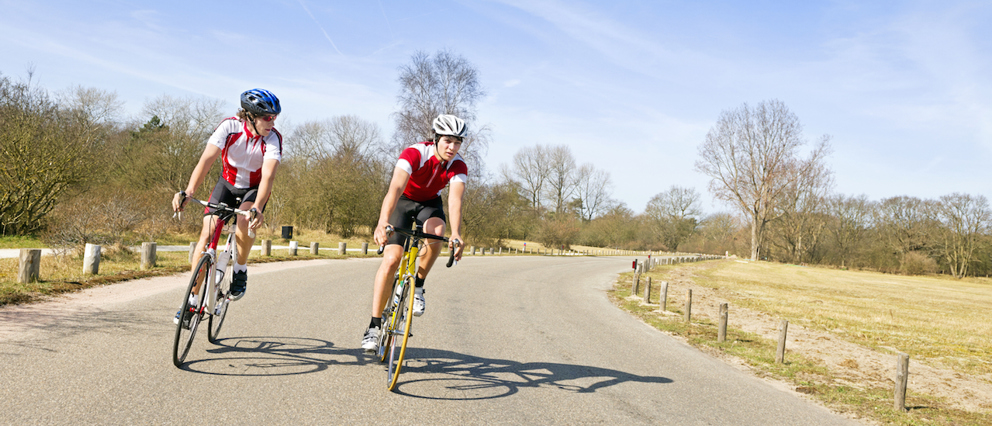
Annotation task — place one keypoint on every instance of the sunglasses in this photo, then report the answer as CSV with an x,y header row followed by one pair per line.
x,y
267,117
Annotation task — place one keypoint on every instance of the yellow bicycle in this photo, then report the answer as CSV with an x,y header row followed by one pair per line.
x,y
398,315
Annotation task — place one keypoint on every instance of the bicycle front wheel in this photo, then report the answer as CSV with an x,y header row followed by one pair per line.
x,y
397,348
190,315
223,290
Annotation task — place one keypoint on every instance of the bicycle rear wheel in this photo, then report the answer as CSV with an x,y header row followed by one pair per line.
x,y
223,289
397,347
190,316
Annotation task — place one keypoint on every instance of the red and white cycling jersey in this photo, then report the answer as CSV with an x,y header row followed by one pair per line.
x,y
428,175
243,153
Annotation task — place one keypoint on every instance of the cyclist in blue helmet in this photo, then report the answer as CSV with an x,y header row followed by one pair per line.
x,y
250,148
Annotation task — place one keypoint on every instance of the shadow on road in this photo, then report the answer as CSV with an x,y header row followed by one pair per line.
x,y
272,356
446,375
427,373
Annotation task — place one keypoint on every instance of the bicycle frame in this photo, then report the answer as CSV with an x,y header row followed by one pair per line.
x,y
211,250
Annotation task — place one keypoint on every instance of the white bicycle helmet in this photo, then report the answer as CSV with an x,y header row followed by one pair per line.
x,y
449,125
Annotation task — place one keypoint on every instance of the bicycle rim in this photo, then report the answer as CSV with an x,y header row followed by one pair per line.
x,y
397,349
386,335
216,320
184,333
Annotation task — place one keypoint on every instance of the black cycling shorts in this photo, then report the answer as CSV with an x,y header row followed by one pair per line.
x,y
226,193
407,211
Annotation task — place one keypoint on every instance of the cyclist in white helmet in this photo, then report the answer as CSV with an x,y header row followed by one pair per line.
x,y
414,195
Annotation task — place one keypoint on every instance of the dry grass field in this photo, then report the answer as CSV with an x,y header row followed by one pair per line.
x,y
846,329
938,320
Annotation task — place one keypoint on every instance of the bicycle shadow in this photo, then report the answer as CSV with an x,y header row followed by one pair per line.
x,y
272,356
469,377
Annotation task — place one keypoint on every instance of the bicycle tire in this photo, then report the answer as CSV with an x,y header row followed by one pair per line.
x,y
388,325
216,320
185,334
386,333
397,348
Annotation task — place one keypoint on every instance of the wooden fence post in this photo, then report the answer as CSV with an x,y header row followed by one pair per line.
x,y
266,247
91,259
30,266
314,248
663,297
148,255
636,284
342,248
192,248
721,334
902,380
647,291
688,306
365,248
783,332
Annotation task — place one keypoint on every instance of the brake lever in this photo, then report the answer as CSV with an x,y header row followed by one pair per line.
x,y
451,256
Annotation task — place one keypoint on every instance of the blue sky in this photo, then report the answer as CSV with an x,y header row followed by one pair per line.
x,y
903,88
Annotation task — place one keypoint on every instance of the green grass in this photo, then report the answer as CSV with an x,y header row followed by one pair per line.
x,y
786,291
12,242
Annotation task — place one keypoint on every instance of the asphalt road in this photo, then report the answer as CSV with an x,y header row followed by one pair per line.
x,y
505,340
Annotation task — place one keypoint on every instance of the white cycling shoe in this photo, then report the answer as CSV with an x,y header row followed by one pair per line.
x,y
419,304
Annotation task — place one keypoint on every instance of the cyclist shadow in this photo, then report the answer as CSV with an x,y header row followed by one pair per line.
x,y
272,356
468,377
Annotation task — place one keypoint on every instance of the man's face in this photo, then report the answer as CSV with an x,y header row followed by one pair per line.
x,y
264,124
448,146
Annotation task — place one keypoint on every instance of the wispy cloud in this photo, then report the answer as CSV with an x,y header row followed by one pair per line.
x,y
321,28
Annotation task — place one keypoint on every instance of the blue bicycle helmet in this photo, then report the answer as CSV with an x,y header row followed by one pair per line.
x,y
260,102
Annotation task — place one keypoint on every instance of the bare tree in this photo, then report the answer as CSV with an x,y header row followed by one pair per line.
x,y
531,171
593,189
561,184
333,176
190,121
752,157
444,83
95,105
45,150
852,222
907,224
965,220
343,136
803,213
674,215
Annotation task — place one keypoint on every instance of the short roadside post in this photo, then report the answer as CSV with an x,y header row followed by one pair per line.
x,y
902,380
721,335
30,265
91,259
783,332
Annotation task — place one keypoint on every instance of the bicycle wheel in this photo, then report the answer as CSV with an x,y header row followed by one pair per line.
x,y
397,348
388,323
191,315
216,319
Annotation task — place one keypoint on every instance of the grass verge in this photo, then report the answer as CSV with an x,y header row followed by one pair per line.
x,y
774,289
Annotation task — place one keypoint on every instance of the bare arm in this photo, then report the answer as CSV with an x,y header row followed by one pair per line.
x,y
210,154
264,190
396,186
455,195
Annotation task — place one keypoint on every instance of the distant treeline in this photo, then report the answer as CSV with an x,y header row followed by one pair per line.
x,y
73,171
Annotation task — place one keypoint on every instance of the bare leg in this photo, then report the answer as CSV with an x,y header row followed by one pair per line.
x,y
241,235
433,247
391,257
